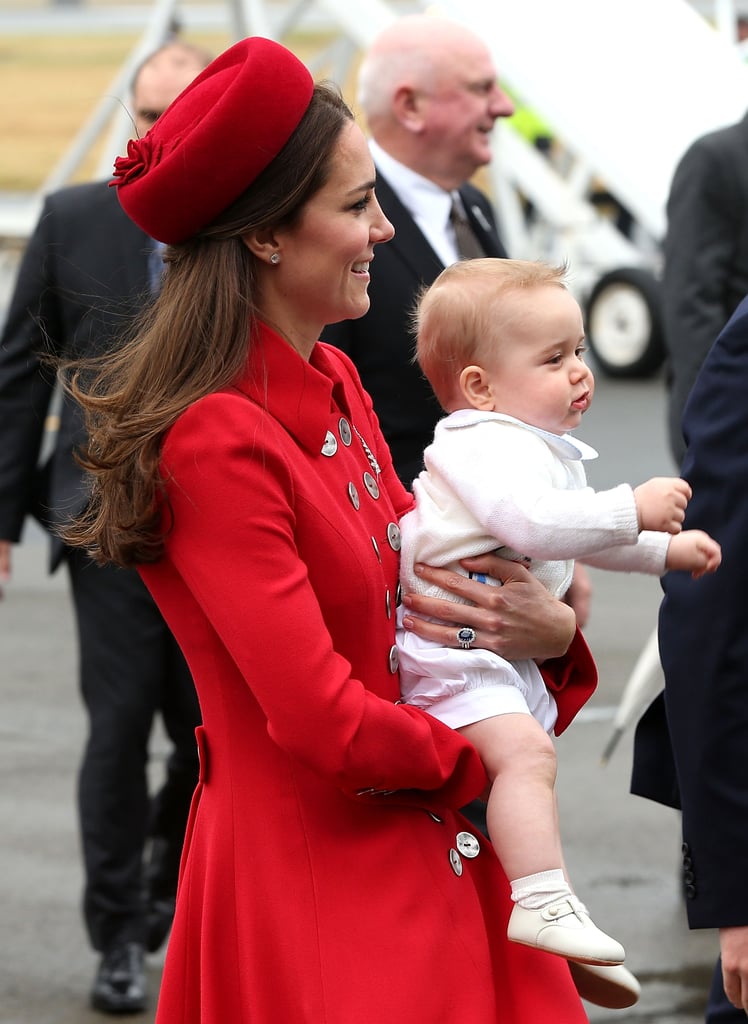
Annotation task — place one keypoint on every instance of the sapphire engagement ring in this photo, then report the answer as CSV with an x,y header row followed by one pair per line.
x,y
465,637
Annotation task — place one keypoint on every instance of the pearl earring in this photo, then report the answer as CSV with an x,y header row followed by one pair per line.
x,y
275,258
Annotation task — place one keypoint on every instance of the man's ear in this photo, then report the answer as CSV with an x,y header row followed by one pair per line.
x,y
262,243
406,105
476,387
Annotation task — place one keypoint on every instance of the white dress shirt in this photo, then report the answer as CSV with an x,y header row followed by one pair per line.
x,y
428,204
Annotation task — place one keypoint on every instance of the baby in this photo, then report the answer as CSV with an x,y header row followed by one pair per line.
x,y
502,344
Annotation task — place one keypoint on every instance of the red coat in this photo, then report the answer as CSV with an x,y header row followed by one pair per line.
x,y
316,883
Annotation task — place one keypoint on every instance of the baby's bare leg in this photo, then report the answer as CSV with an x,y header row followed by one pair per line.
x,y
522,820
521,812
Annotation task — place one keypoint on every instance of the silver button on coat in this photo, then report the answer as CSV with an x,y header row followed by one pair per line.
x,y
456,862
467,844
330,445
344,429
394,659
371,485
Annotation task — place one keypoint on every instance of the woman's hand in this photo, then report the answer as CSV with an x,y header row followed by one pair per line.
x,y
517,620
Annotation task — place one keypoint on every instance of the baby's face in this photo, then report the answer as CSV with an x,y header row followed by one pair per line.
x,y
539,374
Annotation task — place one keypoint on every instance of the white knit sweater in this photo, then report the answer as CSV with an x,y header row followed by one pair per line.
x,y
492,481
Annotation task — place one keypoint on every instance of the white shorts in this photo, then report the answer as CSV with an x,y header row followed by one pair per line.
x,y
460,687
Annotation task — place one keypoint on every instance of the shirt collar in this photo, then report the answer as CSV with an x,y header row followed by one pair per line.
x,y
428,203
564,445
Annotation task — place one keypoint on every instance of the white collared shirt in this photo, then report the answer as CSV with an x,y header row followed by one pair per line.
x,y
428,204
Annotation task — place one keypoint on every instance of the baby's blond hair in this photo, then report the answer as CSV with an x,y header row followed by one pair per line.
x,y
461,313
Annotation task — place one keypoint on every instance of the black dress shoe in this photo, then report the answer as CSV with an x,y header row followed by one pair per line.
x,y
120,981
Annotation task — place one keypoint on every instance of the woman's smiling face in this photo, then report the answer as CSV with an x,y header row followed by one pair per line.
x,y
323,272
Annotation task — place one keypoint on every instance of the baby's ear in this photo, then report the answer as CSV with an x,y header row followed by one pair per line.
x,y
476,388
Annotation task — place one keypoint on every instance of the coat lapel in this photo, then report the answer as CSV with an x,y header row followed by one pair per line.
x,y
409,242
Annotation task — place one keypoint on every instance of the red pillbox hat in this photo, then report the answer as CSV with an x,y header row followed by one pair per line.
x,y
214,139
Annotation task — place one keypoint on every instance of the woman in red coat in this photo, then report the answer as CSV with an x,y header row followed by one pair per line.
x,y
327,875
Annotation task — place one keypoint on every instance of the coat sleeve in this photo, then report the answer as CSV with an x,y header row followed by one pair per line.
x,y
648,555
703,634
571,679
698,251
233,541
31,329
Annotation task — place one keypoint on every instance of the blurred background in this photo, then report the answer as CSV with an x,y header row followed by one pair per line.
x,y
609,96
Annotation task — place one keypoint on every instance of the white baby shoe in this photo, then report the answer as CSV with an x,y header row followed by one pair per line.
x,y
613,987
566,929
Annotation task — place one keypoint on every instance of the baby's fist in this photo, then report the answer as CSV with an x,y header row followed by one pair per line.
x,y
694,551
661,503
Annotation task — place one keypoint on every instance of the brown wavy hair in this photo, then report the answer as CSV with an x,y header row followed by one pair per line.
x,y
193,340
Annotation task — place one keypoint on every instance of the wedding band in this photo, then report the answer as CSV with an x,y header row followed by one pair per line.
x,y
465,637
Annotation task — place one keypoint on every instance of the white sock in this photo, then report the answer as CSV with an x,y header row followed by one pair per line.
x,y
539,890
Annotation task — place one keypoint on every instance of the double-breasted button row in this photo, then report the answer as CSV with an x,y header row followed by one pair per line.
x,y
467,846
371,486
329,448
689,878
394,656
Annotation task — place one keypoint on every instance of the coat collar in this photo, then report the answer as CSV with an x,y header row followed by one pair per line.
x,y
300,395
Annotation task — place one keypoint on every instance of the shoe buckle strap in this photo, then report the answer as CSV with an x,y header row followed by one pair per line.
x,y
563,908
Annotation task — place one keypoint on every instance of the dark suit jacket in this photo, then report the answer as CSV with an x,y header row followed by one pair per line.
x,y
695,741
706,257
381,343
83,275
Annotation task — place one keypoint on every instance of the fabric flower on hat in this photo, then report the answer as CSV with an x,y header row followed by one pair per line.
x,y
141,154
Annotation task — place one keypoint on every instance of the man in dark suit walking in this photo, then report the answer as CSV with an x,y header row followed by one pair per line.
x,y
691,745
86,271
705,273
429,92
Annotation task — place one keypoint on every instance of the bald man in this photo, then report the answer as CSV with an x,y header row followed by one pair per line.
x,y
86,270
429,91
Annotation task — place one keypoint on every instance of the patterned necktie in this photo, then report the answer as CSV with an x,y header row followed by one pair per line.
x,y
468,245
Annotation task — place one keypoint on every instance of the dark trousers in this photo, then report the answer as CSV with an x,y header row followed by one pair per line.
x,y
719,1009
130,669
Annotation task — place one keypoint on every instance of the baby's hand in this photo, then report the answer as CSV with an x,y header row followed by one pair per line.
x,y
693,550
661,503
